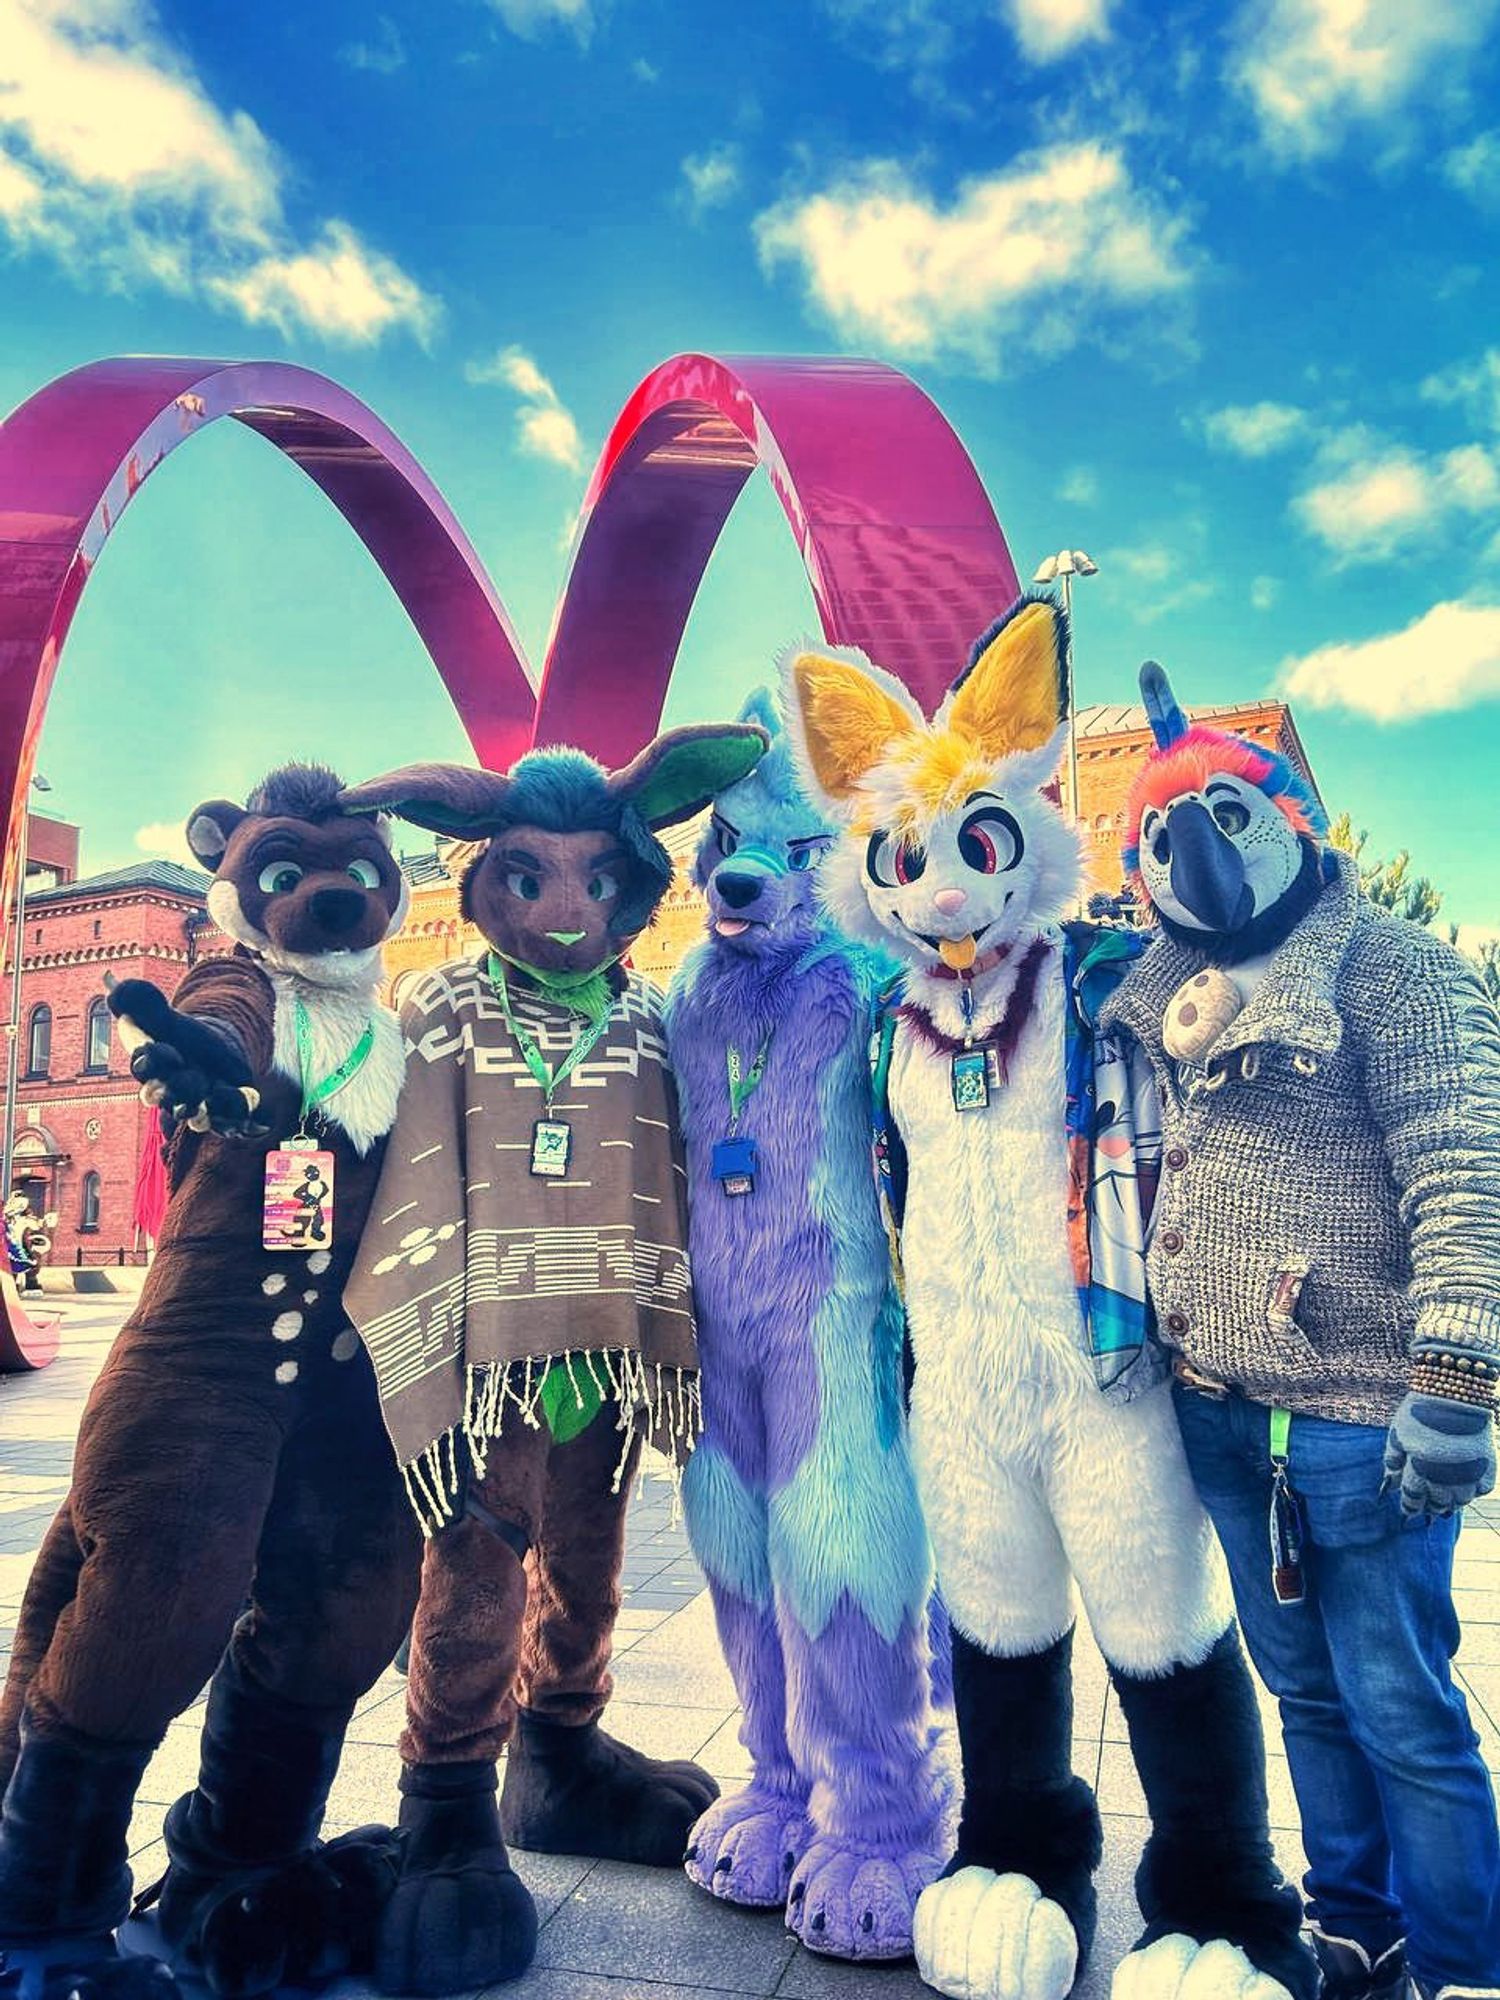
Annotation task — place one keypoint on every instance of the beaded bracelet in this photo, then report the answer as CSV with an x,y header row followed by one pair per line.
x,y
1462,1378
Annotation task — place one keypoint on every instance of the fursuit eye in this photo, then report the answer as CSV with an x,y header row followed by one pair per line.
x,y
521,882
803,858
729,840
990,841
890,862
1160,843
279,878
365,873
1230,816
602,886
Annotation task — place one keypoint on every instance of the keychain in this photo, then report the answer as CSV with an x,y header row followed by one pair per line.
x,y
1288,1579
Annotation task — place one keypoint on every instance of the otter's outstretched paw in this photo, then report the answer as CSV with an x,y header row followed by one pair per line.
x,y
856,1899
981,1936
745,1847
1180,1968
26,1975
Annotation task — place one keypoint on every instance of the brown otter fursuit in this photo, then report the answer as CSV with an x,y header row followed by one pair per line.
x,y
232,1449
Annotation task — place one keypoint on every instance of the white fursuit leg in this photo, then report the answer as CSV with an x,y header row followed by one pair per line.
x,y
980,1936
1179,1968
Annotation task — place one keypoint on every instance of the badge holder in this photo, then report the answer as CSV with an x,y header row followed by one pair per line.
x,y
551,1148
734,1165
297,1209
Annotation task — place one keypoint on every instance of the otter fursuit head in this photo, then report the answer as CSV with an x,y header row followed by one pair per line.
x,y
232,1451
1038,1468
799,1497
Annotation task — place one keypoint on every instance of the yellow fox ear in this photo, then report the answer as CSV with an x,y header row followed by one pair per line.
x,y
1015,694
846,718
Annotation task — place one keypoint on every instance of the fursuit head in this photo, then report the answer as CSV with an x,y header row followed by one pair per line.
x,y
1036,1480
799,1497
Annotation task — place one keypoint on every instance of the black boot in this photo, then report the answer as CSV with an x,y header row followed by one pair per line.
x,y
460,1918
1024,1812
64,1876
251,1901
570,1789
1208,1870
1349,1972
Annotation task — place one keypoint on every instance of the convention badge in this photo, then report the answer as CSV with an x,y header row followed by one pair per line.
x,y
1288,1581
733,1165
297,1210
971,1080
551,1148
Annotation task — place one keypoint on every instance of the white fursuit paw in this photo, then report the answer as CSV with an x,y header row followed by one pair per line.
x,y
981,1936
1179,1968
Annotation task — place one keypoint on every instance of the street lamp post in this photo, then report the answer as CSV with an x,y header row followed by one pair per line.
x,y
1064,566
13,1030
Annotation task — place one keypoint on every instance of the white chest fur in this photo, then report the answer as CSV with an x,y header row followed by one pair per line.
x,y
990,1292
365,1108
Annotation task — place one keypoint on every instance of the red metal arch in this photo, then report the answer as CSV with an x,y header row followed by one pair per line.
x,y
901,546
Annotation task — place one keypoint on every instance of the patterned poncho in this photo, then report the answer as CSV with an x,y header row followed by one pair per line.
x,y
474,1274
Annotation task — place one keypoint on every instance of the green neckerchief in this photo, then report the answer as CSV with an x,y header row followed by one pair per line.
x,y
586,993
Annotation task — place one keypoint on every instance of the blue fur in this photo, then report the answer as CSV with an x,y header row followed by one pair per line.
x,y
728,1526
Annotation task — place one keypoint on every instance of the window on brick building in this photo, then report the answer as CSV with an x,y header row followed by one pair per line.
x,y
39,1041
88,1217
97,1049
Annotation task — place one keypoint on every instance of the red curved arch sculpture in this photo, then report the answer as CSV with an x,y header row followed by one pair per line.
x,y
901,545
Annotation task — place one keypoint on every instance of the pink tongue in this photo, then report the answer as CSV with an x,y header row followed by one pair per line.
x,y
732,926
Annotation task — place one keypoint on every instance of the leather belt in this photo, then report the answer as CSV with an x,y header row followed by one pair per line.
x,y
1194,1378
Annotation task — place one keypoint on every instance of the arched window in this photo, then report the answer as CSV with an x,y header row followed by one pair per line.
x,y
39,1041
96,1055
89,1215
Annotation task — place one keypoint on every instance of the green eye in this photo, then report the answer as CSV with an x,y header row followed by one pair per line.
x,y
365,873
522,883
602,886
279,878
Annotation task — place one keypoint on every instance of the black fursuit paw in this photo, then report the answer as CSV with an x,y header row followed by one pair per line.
x,y
571,1790
92,1971
460,1917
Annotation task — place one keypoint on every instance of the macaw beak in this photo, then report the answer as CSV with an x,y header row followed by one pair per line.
x,y
1208,876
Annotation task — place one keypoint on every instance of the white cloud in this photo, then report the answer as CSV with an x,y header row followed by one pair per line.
x,y
545,428
1380,498
1474,169
531,18
1080,488
1030,259
384,52
1255,430
1047,29
712,178
1474,384
1313,69
166,839
1449,658
118,164
1264,591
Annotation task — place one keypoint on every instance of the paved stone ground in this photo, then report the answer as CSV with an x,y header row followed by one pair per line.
x,y
612,1932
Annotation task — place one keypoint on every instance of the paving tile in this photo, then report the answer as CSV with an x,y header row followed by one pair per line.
x,y
650,1924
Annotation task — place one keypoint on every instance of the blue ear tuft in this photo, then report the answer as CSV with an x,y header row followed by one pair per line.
x,y
761,706
1168,723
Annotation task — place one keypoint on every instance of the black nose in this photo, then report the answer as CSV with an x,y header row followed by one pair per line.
x,y
337,909
738,890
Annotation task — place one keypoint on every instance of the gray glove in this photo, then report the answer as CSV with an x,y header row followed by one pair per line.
x,y
1440,1453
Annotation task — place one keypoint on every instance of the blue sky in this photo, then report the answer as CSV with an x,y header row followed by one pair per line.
x,y
1208,290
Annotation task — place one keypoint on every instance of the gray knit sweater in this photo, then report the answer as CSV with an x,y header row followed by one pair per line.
x,y
1331,1182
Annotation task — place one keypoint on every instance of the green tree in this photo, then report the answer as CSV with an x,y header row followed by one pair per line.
x,y
1391,884
1485,959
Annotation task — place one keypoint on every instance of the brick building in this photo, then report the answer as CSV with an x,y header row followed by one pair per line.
x,y
80,1124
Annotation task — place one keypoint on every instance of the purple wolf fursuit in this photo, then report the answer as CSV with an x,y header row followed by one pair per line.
x,y
799,1497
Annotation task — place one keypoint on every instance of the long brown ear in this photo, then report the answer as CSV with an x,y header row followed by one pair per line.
x,y
444,798
209,828
684,770
1015,694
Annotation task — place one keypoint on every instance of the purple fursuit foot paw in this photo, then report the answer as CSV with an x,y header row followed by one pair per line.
x,y
745,1847
855,1898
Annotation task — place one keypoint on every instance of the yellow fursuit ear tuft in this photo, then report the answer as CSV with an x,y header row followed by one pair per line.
x,y
849,721
1014,695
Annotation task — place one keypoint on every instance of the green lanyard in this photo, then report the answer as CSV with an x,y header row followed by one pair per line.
x,y
531,1055
743,1083
315,1094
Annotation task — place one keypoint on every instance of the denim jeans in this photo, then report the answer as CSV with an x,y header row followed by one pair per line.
x,y
1398,1816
